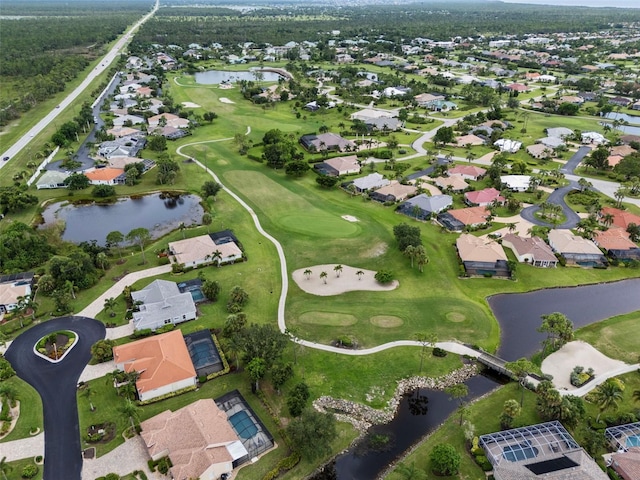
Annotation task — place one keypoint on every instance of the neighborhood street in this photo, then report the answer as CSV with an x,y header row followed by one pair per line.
x,y
57,385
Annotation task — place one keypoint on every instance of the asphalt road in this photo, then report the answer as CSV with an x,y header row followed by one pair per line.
x,y
576,158
57,385
556,197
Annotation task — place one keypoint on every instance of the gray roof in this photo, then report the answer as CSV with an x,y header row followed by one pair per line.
x,y
52,177
161,300
559,132
373,180
434,204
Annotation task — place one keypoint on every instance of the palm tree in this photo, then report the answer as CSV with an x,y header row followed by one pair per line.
x,y
130,410
410,252
608,219
421,258
110,304
182,228
323,276
4,467
511,227
10,393
216,257
619,195
337,269
636,395
607,395
307,273
71,288
359,273
101,258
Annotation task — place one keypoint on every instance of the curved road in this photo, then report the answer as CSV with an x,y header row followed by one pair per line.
x,y
557,198
57,385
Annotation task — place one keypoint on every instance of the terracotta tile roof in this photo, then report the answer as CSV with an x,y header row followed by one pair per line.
x,y
485,196
563,241
347,164
614,239
161,360
468,170
195,437
469,140
456,183
475,249
627,464
621,218
104,174
471,216
398,190
197,248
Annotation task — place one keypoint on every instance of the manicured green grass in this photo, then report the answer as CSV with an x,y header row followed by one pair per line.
x,y
614,337
30,410
15,472
483,414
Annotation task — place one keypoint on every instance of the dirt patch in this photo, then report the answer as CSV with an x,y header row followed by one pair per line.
x,y
328,318
226,100
386,321
456,317
376,250
350,218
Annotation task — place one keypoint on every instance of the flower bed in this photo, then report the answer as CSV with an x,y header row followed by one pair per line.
x,y
56,345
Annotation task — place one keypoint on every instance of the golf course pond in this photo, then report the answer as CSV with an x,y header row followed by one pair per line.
x,y
215,77
159,213
422,411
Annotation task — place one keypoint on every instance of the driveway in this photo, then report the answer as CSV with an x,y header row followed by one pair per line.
x,y
57,384
556,197
573,162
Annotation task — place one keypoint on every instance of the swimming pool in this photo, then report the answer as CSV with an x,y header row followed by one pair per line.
x,y
633,441
516,453
243,425
197,295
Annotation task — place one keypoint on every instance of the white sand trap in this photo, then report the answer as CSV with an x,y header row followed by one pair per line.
x,y
226,100
560,364
190,105
350,218
347,282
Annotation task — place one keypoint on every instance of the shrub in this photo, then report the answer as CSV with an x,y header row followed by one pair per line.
x,y
438,352
112,476
345,341
29,471
384,276
483,462
445,459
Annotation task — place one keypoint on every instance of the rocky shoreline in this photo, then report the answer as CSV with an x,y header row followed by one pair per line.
x,y
362,417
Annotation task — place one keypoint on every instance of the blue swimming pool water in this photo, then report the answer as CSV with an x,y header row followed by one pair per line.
x,y
516,453
243,425
633,441
197,295
201,354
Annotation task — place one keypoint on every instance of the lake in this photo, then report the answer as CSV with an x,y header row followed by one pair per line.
x,y
214,77
632,119
157,213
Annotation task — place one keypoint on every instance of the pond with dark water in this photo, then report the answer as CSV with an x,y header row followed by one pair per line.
x,y
159,213
519,318
214,77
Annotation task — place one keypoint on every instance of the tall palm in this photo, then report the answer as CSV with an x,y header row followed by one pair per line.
x,y
130,410
307,273
182,228
410,252
607,395
608,219
216,257
4,467
338,270
359,273
323,276
636,395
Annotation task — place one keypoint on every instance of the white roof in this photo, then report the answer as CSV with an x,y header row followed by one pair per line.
x,y
508,145
518,182
237,450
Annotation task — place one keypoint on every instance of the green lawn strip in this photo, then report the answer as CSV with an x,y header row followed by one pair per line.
x,y
30,410
484,415
626,405
15,469
613,337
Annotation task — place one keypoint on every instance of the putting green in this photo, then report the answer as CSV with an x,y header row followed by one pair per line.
x,y
386,321
319,225
330,319
456,317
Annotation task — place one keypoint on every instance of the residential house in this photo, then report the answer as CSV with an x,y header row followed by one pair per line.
x,y
341,166
12,287
573,99
517,87
468,172
167,119
52,179
542,451
128,146
619,101
384,124
627,139
617,243
465,140
626,463
482,256
456,220
516,183
202,250
559,132
484,197
161,303
533,251
617,153
551,142
162,362
120,132
588,96
393,192
593,137
423,207
508,145
454,183
624,440
105,176
539,150
326,141
370,182
636,105
125,120
575,250
198,440
425,99
620,218
441,105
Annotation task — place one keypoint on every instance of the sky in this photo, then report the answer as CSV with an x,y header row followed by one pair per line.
x,y
583,3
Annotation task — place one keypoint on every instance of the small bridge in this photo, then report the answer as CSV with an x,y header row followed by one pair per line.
x,y
496,363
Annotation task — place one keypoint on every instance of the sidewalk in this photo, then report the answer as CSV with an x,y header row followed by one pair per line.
x,y
23,448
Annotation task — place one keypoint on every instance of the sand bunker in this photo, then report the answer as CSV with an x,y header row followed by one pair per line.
x,y
226,100
348,281
350,218
190,105
560,364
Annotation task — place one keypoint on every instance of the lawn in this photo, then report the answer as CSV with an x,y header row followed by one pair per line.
x,y
15,469
612,337
30,410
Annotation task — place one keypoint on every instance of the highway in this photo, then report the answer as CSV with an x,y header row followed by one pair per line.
x,y
104,64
